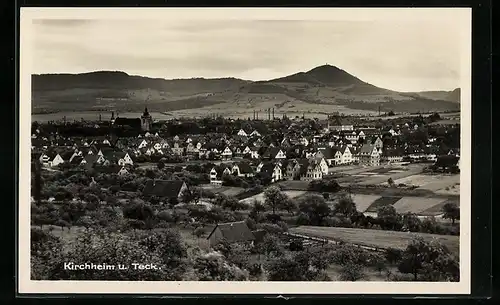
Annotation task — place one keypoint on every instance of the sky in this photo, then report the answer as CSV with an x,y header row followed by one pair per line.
x,y
403,56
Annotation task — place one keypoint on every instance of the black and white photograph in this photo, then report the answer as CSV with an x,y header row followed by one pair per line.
x,y
245,150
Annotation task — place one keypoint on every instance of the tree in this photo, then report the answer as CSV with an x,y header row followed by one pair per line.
x,y
274,198
214,267
431,260
345,206
352,272
37,182
296,267
451,211
191,195
411,222
110,249
388,217
160,165
199,232
258,207
390,182
233,204
315,207
138,210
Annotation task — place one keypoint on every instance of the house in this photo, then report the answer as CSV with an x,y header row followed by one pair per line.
x,y
272,169
232,232
378,143
243,169
242,133
331,155
335,123
255,133
274,153
164,188
227,153
116,157
369,155
310,169
51,159
114,169
177,149
217,172
392,155
346,155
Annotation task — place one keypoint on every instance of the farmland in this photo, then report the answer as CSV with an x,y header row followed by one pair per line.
x,y
374,238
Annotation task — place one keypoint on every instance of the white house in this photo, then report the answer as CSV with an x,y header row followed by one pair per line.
x,y
255,133
346,155
227,153
242,132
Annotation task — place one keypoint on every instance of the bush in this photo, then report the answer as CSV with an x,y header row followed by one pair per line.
x,y
270,228
251,224
283,226
296,245
199,232
166,216
393,255
352,272
255,269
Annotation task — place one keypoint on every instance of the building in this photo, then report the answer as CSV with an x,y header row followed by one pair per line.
x,y
243,169
369,155
232,232
164,188
146,120
335,123
217,172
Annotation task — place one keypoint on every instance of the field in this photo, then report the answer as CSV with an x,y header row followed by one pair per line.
x,y
416,204
363,202
380,202
260,197
374,238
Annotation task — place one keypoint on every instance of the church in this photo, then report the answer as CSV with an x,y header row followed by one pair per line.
x,y
146,120
144,123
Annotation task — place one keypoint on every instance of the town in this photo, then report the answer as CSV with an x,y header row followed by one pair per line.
x,y
279,198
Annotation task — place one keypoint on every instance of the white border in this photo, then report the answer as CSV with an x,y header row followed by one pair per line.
x,y
463,18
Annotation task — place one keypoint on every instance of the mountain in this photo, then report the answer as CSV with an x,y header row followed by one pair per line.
x,y
451,96
324,89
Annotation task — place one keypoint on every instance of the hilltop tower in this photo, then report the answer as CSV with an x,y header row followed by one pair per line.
x,y
146,120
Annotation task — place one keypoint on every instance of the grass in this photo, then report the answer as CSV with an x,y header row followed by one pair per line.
x,y
363,202
382,201
375,238
438,208
416,204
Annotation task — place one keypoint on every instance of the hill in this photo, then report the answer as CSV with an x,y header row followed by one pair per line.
x,y
322,90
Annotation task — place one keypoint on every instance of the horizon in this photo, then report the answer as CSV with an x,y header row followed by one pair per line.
x,y
214,78
419,54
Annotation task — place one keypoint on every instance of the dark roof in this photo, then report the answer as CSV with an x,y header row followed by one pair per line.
x,y
259,234
128,122
328,152
271,152
163,188
366,149
77,160
113,169
234,231
245,168
268,167
66,155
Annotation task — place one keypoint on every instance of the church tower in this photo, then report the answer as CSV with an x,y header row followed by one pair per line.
x,y
146,120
